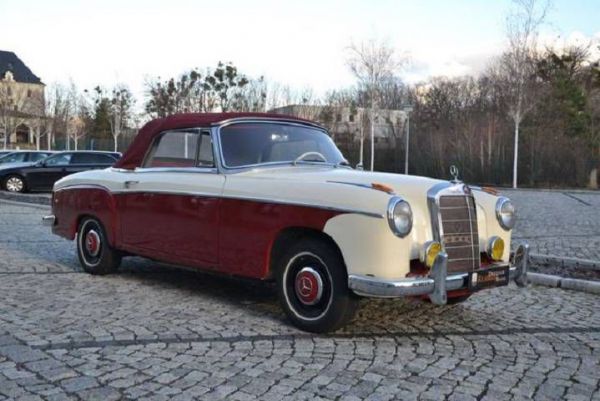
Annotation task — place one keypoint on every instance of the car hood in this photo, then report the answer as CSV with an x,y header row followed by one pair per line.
x,y
408,186
341,188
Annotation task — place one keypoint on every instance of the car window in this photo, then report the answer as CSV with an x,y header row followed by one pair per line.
x,y
13,158
92,158
174,149
246,144
205,151
34,157
58,160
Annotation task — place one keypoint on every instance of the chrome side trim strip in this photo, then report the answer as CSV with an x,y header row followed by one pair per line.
x,y
196,170
234,197
83,186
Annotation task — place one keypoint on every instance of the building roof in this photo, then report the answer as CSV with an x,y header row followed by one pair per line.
x,y
134,156
21,73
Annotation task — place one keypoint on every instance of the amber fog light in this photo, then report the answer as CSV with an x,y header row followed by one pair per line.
x,y
429,252
495,248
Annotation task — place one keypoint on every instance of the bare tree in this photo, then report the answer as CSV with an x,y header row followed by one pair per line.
x,y
518,62
121,105
373,62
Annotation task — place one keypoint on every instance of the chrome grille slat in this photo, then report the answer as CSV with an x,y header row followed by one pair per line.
x,y
458,229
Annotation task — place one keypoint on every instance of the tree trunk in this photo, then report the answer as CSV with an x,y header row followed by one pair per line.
x,y
516,155
116,142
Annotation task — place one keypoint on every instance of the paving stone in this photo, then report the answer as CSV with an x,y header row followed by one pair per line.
x,y
156,332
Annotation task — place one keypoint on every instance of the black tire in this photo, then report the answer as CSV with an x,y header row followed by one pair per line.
x,y
95,254
15,183
457,300
316,264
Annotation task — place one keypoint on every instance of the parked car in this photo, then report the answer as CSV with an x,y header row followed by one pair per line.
x,y
24,156
271,197
41,175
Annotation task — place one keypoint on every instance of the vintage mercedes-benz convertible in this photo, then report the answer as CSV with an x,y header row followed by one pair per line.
x,y
271,197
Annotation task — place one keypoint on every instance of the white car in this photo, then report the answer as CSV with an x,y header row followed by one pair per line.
x,y
271,197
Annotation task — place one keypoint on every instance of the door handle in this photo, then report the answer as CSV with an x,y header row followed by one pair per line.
x,y
128,184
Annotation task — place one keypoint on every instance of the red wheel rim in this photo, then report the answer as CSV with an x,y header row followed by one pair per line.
x,y
308,286
92,243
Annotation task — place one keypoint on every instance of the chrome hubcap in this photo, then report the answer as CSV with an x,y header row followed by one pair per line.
x,y
92,243
14,184
308,286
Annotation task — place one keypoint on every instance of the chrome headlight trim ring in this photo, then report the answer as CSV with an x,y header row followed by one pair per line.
x,y
395,201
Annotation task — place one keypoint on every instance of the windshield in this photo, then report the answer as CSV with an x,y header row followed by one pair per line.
x,y
248,144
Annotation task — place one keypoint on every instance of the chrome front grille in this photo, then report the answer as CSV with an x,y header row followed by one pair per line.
x,y
454,223
459,235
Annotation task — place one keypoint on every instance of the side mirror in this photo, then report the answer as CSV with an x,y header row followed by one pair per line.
x,y
41,163
359,166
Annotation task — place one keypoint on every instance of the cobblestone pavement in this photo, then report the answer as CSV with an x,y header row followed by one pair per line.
x,y
155,332
565,224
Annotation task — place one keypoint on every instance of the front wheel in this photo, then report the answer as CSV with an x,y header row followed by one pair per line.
x,y
15,183
312,285
95,254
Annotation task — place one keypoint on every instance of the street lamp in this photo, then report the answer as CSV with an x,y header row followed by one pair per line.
x,y
407,110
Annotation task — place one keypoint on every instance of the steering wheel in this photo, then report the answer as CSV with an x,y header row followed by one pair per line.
x,y
306,154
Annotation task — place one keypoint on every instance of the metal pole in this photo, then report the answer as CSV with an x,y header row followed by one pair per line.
x,y
372,139
407,142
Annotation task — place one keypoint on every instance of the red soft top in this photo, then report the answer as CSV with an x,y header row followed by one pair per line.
x,y
134,155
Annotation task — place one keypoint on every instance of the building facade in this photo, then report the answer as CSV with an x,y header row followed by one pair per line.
x,y
22,102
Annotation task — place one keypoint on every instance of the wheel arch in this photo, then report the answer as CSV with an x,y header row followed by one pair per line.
x,y
291,234
72,205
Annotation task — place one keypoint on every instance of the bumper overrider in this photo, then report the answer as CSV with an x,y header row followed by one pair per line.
x,y
438,283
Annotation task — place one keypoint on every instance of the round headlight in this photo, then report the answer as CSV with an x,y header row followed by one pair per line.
x,y
495,248
505,213
399,216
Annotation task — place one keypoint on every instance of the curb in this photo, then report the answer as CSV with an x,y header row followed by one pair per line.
x,y
26,198
564,262
592,287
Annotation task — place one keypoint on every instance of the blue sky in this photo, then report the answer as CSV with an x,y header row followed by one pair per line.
x,y
301,43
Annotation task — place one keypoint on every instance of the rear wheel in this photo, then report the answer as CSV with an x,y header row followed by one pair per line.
x,y
15,183
312,285
95,254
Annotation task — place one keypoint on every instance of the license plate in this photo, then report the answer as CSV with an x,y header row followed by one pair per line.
x,y
488,278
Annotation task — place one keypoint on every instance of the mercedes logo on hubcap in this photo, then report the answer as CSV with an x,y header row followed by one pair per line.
x,y
309,286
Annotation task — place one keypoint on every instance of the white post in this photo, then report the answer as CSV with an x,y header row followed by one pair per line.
x,y
372,137
516,157
407,142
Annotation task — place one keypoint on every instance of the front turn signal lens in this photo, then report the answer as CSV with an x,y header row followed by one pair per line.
x,y
495,248
430,251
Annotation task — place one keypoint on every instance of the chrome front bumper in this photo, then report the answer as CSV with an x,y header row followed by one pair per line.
x,y
437,284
